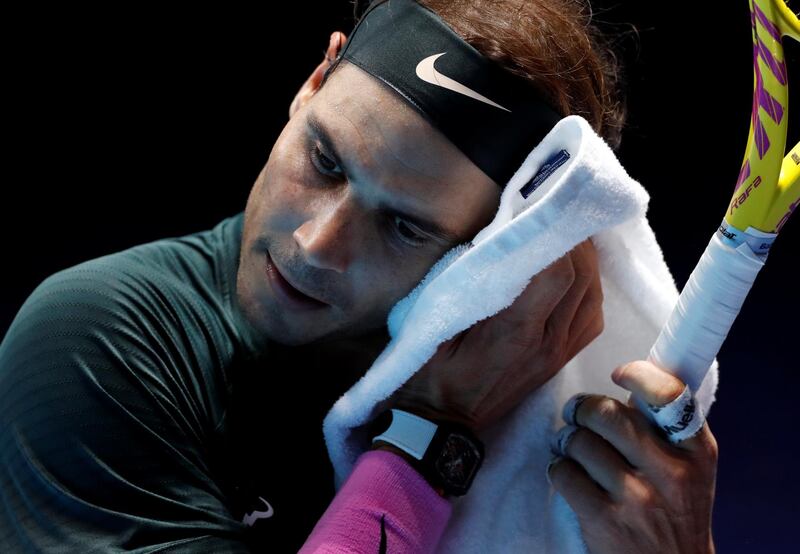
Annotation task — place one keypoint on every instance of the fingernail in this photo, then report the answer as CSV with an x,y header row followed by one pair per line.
x,y
560,440
552,462
571,407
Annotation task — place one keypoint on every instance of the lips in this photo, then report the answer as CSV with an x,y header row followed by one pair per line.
x,y
287,290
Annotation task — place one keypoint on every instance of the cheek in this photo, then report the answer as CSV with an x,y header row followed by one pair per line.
x,y
281,188
400,279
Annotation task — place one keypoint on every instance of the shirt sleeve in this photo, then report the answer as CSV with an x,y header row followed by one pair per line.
x,y
384,506
103,430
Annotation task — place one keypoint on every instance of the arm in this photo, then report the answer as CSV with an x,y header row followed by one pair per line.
x,y
385,505
455,385
101,439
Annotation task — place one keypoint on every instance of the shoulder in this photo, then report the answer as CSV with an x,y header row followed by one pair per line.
x,y
127,297
148,325
112,383
170,283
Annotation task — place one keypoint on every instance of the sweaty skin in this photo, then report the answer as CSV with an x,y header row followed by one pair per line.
x,y
188,435
326,210
335,233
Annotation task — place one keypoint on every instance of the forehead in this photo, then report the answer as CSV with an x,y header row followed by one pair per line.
x,y
394,149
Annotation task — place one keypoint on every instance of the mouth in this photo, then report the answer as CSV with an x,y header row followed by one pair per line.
x,y
287,292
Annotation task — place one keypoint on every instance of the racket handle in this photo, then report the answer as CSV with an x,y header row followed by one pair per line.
x,y
706,309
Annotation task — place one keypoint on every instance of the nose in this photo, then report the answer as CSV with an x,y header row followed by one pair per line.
x,y
327,237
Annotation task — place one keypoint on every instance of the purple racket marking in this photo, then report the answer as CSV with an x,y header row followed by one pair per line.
x,y
771,106
771,28
785,217
759,132
743,174
762,98
777,68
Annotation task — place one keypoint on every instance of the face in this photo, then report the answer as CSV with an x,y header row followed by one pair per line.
x,y
347,209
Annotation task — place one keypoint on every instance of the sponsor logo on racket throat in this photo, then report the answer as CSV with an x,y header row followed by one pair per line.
x,y
729,234
746,194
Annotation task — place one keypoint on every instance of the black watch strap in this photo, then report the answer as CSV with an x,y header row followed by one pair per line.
x,y
447,454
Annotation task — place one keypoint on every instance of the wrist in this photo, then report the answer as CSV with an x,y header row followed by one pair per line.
x,y
445,453
381,445
385,446
432,414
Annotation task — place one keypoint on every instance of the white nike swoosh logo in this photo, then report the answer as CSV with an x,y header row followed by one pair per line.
x,y
255,515
428,73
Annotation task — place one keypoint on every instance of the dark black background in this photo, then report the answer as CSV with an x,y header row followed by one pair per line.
x,y
128,126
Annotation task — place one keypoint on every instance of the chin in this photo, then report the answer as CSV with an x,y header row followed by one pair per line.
x,y
264,316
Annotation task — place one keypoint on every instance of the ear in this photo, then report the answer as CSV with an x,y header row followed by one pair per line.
x,y
315,79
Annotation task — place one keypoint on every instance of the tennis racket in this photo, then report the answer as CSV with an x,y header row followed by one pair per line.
x,y
764,196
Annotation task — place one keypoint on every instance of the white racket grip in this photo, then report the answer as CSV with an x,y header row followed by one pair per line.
x,y
706,309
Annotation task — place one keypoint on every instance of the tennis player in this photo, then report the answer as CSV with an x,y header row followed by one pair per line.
x,y
169,397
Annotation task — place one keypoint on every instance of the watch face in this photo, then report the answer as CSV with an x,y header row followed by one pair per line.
x,y
458,461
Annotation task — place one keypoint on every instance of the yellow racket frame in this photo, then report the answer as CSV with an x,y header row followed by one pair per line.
x,y
768,187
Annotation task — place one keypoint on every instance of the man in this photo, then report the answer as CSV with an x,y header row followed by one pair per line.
x,y
169,397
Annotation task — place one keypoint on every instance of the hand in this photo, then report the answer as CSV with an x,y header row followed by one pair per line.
x,y
483,372
632,490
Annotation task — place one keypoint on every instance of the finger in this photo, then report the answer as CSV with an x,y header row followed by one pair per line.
x,y
592,329
648,381
544,291
564,313
592,303
597,457
626,429
658,387
588,322
521,324
578,489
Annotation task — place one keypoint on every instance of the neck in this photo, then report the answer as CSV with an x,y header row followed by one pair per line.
x,y
352,353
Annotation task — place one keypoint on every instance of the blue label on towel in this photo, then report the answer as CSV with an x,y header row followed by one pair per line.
x,y
547,169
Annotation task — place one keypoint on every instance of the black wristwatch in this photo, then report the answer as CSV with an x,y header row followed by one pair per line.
x,y
447,454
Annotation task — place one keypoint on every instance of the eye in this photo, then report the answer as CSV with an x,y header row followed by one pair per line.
x,y
403,232
325,164
414,238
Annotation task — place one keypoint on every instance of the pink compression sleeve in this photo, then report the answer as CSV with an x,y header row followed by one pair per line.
x,y
384,505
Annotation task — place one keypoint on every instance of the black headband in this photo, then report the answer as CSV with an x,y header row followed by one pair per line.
x,y
494,117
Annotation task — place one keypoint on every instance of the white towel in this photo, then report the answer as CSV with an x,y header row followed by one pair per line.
x,y
510,506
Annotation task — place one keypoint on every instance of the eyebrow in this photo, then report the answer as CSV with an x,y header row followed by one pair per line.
x,y
316,128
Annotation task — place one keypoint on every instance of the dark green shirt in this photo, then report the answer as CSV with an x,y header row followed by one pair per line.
x,y
138,411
